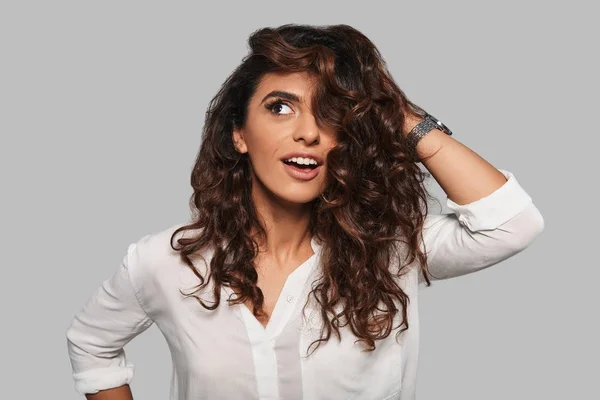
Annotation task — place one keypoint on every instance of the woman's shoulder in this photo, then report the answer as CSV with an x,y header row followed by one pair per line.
x,y
157,243
153,253
156,269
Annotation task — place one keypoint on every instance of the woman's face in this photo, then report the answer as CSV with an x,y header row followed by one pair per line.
x,y
281,136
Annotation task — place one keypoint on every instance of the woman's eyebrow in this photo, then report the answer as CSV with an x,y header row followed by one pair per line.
x,y
285,95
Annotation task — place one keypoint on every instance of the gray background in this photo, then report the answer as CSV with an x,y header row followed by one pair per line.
x,y
101,109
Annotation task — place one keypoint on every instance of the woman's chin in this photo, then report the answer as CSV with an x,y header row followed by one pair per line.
x,y
293,194
296,198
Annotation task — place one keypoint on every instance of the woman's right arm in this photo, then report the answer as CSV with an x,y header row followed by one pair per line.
x,y
107,322
118,393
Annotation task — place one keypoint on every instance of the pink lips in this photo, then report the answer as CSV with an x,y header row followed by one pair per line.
x,y
302,174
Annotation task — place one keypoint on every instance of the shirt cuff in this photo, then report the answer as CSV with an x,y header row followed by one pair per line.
x,y
494,209
92,381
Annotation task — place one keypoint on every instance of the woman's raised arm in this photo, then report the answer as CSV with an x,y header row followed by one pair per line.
x,y
493,217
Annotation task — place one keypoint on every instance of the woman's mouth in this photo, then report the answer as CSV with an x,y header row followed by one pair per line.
x,y
302,172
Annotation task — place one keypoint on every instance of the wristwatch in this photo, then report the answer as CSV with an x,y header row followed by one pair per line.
x,y
421,129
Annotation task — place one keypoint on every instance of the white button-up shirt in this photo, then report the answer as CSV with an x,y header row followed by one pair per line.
x,y
227,354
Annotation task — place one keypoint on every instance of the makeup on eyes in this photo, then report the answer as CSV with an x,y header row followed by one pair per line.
x,y
270,105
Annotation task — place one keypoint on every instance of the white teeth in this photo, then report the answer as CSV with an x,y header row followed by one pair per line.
x,y
302,161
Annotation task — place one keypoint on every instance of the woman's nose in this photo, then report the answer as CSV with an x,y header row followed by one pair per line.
x,y
307,129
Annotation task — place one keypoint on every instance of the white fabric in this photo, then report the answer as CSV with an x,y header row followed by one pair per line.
x,y
227,354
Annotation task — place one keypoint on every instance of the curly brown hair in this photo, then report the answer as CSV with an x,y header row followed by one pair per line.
x,y
374,200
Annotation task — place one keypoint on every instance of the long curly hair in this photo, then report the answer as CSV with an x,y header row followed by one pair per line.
x,y
374,198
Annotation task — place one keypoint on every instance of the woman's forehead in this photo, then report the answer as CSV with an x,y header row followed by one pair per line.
x,y
302,84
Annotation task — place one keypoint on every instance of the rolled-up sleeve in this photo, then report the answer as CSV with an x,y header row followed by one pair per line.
x,y
106,323
480,234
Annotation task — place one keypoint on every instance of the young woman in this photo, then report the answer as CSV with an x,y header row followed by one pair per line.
x,y
297,276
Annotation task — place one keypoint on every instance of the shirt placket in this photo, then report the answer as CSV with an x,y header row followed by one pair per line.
x,y
262,340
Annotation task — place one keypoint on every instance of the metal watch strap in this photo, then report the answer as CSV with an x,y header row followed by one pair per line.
x,y
428,123
416,133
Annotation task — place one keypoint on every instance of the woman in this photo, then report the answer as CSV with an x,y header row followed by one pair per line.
x,y
297,277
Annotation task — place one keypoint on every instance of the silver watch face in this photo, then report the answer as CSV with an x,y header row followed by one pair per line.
x,y
441,125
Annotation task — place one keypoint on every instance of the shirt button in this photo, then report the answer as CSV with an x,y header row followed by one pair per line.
x,y
289,299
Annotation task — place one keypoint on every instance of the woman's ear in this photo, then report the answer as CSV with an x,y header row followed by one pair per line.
x,y
238,141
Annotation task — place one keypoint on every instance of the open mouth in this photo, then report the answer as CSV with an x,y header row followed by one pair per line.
x,y
303,172
306,167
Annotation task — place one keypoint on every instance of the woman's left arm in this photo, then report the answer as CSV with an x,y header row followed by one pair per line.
x,y
463,174
493,217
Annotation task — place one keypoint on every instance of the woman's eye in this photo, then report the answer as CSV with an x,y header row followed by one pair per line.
x,y
278,108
